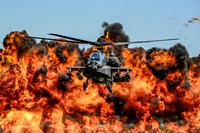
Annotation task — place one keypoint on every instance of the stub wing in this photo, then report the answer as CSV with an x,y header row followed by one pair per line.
x,y
120,69
76,68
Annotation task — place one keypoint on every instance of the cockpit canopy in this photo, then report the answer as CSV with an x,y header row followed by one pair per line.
x,y
95,56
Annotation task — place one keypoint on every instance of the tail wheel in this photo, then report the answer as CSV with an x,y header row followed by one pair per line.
x,y
109,86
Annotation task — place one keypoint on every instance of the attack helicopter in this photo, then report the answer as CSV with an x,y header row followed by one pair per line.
x,y
98,67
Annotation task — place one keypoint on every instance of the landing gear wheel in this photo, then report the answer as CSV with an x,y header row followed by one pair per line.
x,y
109,86
85,86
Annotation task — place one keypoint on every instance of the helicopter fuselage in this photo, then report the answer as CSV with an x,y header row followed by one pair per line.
x,y
102,70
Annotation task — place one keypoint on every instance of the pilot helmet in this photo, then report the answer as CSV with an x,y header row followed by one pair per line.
x,y
112,53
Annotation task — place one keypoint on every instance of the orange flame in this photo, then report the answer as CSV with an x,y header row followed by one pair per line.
x,y
32,98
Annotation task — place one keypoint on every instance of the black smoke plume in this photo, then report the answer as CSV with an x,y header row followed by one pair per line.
x,y
117,34
115,31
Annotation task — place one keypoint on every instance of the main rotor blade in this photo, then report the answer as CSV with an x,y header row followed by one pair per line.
x,y
149,41
54,39
75,39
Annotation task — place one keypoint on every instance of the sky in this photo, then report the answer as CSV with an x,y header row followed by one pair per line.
x,y
141,19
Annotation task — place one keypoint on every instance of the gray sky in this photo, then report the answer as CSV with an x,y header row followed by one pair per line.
x,y
142,19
